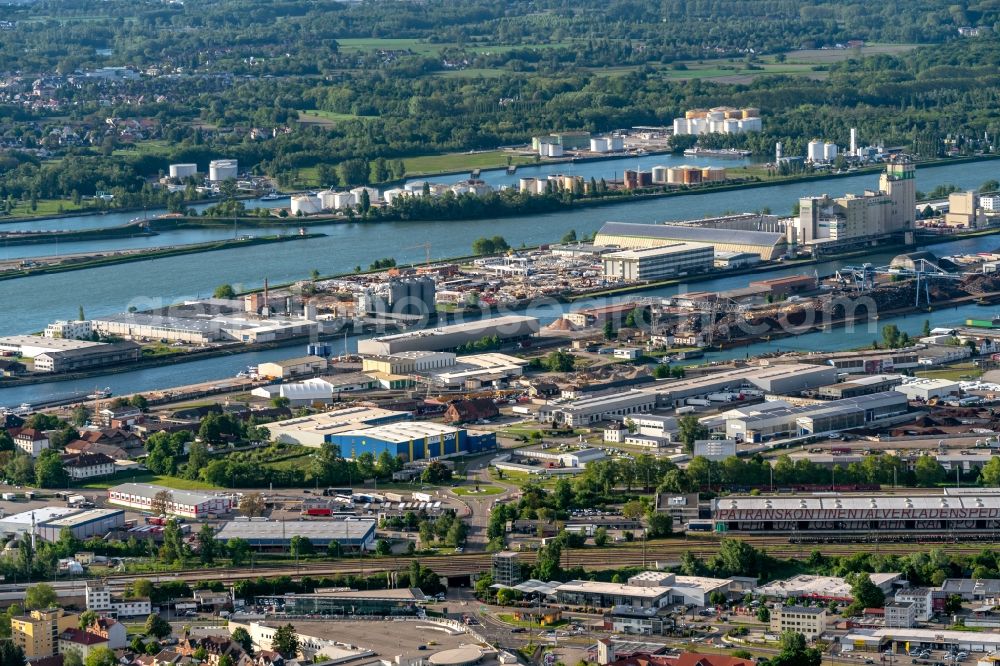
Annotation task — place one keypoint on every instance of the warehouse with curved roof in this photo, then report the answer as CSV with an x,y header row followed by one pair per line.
x,y
769,245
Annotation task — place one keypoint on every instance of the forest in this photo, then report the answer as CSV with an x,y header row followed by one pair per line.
x,y
239,78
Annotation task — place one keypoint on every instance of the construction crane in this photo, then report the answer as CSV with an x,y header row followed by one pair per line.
x,y
427,251
924,271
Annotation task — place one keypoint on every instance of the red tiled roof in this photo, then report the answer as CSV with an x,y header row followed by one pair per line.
x,y
81,637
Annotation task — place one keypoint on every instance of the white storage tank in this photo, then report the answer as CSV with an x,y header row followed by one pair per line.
x,y
395,193
659,174
373,195
306,204
829,151
183,170
616,143
675,175
599,145
815,151
219,170
327,199
342,200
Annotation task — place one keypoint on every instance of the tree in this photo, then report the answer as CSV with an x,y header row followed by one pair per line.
x,y
601,537
569,236
80,415
865,593
989,474
242,636
39,597
49,470
157,627
206,544
286,642
300,545
101,656
141,588
239,550
436,472
161,500
87,618
225,291
609,329
73,658
660,525
225,660
383,547
633,509
690,429
198,459
989,186
507,596
928,471
252,505
763,614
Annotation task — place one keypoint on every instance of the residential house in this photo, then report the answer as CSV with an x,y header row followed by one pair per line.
x,y
80,641
110,629
121,417
468,411
80,446
88,465
37,633
31,441
809,621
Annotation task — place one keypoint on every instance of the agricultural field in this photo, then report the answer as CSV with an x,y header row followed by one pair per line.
x,y
156,479
325,118
824,56
452,162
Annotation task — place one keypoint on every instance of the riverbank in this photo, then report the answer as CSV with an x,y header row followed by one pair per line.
x,y
82,262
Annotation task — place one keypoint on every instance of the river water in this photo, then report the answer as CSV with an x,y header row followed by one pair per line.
x,y
30,303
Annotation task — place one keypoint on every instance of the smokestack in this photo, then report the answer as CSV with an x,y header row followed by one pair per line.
x,y
854,141
267,308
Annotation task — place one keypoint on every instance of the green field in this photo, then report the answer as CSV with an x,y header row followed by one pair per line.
x,y
355,44
431,164
475,73
149,477
152,147
953,372
317,117
45,208
822,56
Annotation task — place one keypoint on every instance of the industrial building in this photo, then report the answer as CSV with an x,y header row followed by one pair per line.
x,y
201,330
399,297
751,425
598,408
352,534
659,263
853,218
951,513
71,360
805,620
927,388
82,524
303,365
635,236
784,379
649,589
219,170
510,328
855,388
714,449
21,523
315,429
73,330
899,640
413,440
184,503
30,346
347,603
822,588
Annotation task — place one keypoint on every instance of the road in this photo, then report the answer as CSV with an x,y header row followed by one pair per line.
x,y
478,506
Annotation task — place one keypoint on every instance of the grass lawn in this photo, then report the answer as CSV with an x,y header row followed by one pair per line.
x,y
149,477
474,72
151,147
325,118
419,47
431,164
483,491
820,56
45,208
956,372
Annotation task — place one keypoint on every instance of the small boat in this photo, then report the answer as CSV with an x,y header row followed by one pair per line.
x,y
273,196
512,169
241,374
100,394
24,408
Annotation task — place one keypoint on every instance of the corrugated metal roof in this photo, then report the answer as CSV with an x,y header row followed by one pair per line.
x,y
695,234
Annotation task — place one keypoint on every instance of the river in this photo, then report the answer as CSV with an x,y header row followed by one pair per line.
x,y
28,304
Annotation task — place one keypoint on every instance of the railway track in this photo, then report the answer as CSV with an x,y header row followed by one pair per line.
x,y
590,559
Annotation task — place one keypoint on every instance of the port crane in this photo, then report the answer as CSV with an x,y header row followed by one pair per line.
x,y
427,251
863,277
